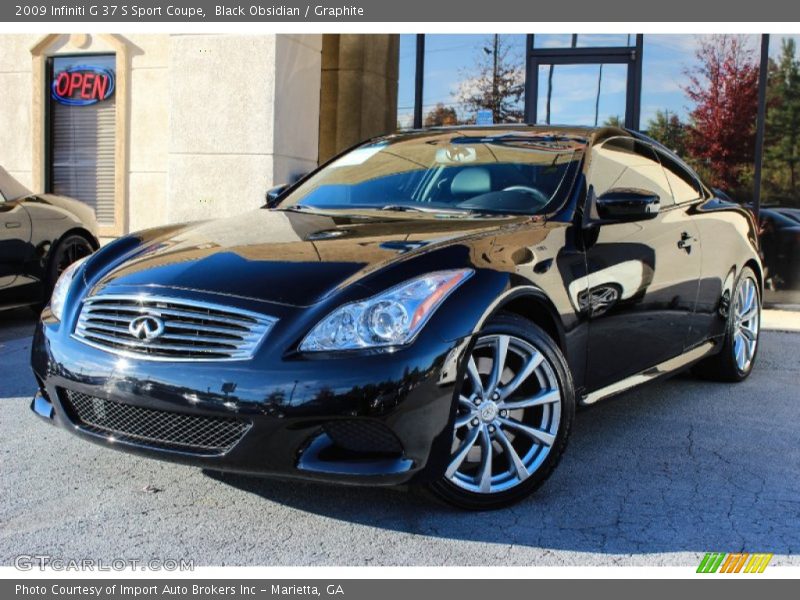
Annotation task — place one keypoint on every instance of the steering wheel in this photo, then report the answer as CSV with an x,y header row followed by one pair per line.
x,y
539,196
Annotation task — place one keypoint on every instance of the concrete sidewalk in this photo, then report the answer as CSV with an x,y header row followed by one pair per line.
x,y
780,320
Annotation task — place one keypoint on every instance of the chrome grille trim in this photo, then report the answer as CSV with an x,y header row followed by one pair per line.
x,y
193,330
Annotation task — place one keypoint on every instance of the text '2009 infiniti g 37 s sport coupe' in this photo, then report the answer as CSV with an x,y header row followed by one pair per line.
x,y
429,307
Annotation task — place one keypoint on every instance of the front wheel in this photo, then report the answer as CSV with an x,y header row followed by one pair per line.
x,y
70,249
514,414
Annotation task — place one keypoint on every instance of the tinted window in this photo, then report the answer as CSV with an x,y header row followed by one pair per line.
x,y
518,172
630,164
774,218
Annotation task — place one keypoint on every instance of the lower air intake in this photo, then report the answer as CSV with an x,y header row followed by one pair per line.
x,y
195,434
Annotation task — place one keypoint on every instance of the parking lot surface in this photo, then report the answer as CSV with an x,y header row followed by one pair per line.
x,y
657,476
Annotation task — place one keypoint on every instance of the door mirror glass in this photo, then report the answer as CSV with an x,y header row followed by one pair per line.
x,y
628,204
274,194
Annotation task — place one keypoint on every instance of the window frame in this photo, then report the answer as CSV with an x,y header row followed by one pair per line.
x,y
592,199
687,170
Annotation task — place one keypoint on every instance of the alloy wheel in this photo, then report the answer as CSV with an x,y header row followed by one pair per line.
x,y
508,417
746,321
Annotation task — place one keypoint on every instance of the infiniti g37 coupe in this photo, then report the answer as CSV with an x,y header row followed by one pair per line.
x,y
428,307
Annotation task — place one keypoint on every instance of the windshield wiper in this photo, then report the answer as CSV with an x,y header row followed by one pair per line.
x,y
408,208
299,208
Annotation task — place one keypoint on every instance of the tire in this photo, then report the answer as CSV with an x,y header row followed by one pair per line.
x,y
70,249
734,362
524,416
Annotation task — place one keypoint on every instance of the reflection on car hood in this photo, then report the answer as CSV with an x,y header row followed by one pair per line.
x,y
287,257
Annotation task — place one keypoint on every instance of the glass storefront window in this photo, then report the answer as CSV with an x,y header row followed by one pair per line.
x,y
465,74
779,217
406,79
592,94
82,132
583,40
700,99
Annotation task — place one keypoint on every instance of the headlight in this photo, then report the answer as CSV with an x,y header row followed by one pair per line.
x,y
391,318
61,288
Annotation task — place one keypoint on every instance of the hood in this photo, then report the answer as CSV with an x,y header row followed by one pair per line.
x,y
286,257
82,211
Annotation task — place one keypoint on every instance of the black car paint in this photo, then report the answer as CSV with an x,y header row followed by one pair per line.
x,y
300,266
30,229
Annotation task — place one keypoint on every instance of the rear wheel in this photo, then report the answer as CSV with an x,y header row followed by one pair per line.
x,y
738,354
513,418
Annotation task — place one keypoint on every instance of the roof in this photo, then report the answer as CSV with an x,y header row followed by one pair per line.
x,y
586,134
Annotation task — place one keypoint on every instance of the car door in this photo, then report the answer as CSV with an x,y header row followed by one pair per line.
x,y
689,194
15,238
642,276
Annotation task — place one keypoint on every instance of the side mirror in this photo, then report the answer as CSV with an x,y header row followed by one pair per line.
x,y
274,193
626,204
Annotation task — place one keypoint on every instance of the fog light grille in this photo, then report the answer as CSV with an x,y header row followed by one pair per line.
x,y
363,436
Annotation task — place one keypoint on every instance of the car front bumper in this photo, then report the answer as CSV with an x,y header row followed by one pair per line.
x,y
376,419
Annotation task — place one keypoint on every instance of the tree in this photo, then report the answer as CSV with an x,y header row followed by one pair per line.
x,y
724,88
441,115
614,121
496,82
782,151
668,129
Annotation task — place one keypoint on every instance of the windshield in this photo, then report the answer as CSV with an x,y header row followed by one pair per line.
x,y
481,171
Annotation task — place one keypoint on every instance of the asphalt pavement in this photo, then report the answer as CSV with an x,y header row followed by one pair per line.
x,y
657,476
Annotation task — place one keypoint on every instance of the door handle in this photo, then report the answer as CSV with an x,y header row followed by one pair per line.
x,y
13,224
685,243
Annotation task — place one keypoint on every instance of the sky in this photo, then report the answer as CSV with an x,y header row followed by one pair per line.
x,y
449,58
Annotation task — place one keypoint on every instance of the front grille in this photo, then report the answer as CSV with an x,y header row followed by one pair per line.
x,y
360,435
196,434
183,329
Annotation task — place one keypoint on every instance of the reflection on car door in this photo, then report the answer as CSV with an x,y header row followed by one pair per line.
x,y
15,238
643,276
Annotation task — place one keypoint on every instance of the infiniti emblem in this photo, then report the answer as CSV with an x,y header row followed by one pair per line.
x,y
146,327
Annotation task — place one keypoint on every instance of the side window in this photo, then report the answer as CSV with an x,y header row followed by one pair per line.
x,y
628,163
684,185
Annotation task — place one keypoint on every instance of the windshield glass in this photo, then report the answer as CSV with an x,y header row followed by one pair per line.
x,y
525,172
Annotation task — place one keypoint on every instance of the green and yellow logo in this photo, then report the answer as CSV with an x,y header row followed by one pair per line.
x,y
722,562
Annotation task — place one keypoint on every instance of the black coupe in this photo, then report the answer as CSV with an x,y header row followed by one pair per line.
x,y
40,236
428,307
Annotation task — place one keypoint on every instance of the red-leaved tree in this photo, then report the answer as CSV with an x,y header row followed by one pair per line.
x,y
724,88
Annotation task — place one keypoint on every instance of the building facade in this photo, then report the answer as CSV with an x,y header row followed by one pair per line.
x,y
158,129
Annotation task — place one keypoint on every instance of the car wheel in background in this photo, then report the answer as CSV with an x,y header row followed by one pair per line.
x,y
70,249
514,414
740,345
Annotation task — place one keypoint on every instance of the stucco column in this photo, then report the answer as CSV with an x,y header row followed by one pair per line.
x,y
359,89
243,114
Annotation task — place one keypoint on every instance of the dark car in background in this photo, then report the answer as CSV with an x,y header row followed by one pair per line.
x,y
780,245
429,307
792,213
40,236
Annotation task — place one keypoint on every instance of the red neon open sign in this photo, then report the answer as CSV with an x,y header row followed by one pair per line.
x,y
82,85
